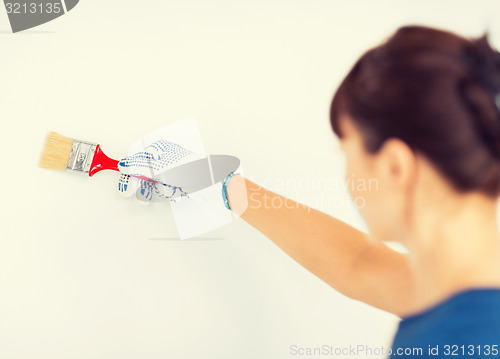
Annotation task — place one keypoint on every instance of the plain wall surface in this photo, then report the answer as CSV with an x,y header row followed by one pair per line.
x,y
85,273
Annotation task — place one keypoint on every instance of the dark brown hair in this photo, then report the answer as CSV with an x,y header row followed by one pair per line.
x,y
438,92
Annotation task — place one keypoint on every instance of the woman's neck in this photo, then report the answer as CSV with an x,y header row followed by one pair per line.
x,y
457,247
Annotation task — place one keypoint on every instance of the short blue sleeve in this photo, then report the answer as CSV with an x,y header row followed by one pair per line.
x,y
466,325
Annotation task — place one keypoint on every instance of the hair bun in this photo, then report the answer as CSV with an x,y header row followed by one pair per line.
x,y
484,61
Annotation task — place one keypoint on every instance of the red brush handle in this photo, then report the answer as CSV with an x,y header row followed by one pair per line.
x,y
102,162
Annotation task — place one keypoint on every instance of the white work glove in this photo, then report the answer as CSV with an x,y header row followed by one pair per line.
x,y
149,164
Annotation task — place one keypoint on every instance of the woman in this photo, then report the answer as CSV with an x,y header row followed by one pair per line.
x,y
420,114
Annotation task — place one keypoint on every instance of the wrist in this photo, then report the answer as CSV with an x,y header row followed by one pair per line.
x,y
236,193
225,185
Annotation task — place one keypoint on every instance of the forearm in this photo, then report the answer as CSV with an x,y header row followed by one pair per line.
x,y
342,256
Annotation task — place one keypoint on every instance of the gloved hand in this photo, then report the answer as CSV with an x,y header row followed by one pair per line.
x,y
148,165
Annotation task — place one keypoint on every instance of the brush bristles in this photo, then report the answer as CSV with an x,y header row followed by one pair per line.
x,y
56,152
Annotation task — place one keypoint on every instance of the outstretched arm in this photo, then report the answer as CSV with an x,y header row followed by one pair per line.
x,y
345,258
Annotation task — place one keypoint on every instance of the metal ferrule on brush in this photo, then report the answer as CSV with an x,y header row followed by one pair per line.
x,y
82,154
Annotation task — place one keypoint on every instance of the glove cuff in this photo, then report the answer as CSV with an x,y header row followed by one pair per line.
x,y
224,189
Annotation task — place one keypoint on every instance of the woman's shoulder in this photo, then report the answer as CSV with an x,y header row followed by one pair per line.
x,y
470,302
471,317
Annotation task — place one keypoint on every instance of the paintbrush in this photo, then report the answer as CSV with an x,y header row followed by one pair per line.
x,y
63,153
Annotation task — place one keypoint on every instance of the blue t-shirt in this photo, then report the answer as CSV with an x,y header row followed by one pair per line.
x,y
467,325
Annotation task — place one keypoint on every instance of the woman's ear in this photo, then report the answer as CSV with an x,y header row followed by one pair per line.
x,y
397,163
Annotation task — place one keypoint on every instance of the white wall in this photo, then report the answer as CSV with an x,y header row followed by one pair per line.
x,y
82,271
